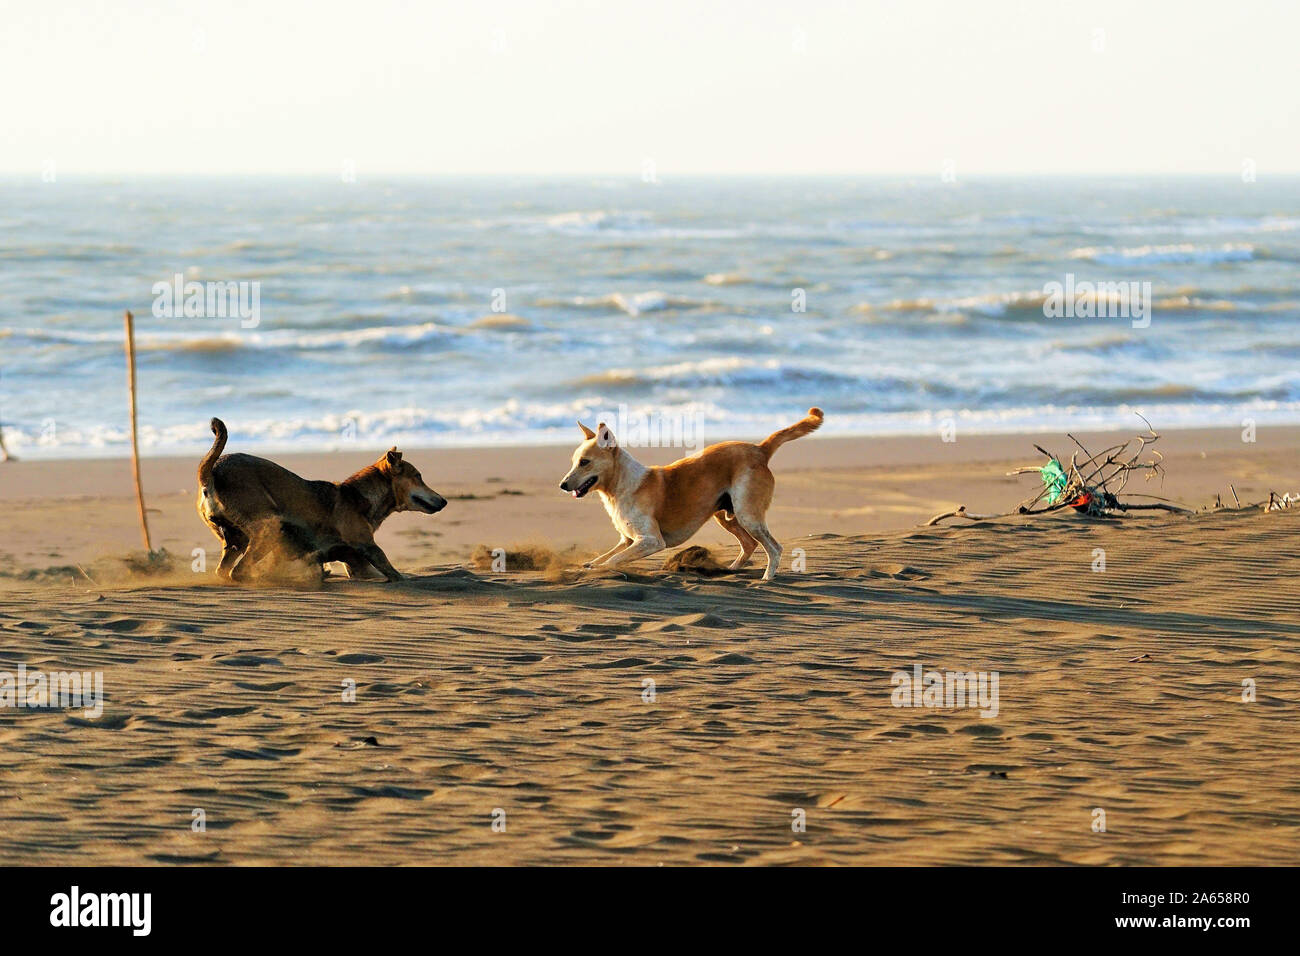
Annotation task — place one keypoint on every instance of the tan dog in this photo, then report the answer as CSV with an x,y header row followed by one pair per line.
x,y
660,507
257,508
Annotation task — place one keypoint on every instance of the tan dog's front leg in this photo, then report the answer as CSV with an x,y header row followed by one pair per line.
x,y
622,544
640,547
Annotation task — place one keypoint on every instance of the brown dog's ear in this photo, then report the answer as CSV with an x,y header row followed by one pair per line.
x,y
586,432
606,439
394,457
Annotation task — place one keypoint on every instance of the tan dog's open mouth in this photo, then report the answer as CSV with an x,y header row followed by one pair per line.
x,y
585,487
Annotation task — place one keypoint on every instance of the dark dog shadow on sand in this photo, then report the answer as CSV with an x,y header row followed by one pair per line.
x,y
693,581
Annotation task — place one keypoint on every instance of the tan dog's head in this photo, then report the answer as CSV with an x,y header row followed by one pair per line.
x,y
593,461
409,490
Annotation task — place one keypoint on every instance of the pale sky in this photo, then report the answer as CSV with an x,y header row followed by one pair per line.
x,y
581,86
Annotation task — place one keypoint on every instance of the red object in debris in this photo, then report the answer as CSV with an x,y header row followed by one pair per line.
x,y
1082,502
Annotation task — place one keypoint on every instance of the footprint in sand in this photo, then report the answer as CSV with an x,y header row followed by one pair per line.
x,y
216,713
383,689
686,620
113,721
359,658
186,857
621,662
581,637
981,730
249,660
130,625
897,572
605,627
731,659
262,753
392,792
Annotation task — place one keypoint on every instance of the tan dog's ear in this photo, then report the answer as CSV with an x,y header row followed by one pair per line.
x,y
394,457
606,439
586,432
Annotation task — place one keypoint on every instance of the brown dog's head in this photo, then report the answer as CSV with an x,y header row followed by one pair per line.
x,y
409,490
593,461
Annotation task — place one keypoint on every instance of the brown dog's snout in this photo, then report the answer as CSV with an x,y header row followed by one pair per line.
x,y
564,485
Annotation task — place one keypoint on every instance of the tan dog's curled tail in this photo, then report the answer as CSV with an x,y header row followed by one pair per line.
x,y
210,459
805,426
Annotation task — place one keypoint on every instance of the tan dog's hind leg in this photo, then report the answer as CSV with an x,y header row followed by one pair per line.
x,y
752,496
759,530
747,541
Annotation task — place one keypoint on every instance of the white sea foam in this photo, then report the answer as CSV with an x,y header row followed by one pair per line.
x,y
552,424
1178,253
199,339
633,303
916,298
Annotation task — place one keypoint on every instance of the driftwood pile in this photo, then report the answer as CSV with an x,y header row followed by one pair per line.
x,y
1092,482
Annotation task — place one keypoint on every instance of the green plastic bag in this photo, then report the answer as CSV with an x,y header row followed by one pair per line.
x,y
1055,479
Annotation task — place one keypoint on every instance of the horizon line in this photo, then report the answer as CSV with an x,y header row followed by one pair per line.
x,y
661,179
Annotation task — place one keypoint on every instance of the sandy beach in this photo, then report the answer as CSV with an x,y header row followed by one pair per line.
x,y
660,716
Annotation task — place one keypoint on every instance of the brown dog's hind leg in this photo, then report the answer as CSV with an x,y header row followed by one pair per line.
x,y
263,540
233,544
230,556
242,566
747,541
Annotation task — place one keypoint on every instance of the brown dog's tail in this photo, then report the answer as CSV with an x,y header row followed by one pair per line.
x,y
805,426
210,459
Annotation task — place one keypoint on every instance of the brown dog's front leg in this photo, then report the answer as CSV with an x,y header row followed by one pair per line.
x,y
360,570
358,564
377,557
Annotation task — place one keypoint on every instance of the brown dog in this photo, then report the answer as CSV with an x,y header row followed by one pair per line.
x,y
256,508
660,507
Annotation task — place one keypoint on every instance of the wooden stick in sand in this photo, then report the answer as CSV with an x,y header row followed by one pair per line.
x,y
135,437
4,452
961,512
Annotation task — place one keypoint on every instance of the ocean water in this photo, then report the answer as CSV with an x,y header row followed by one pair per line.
x,y
478,311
